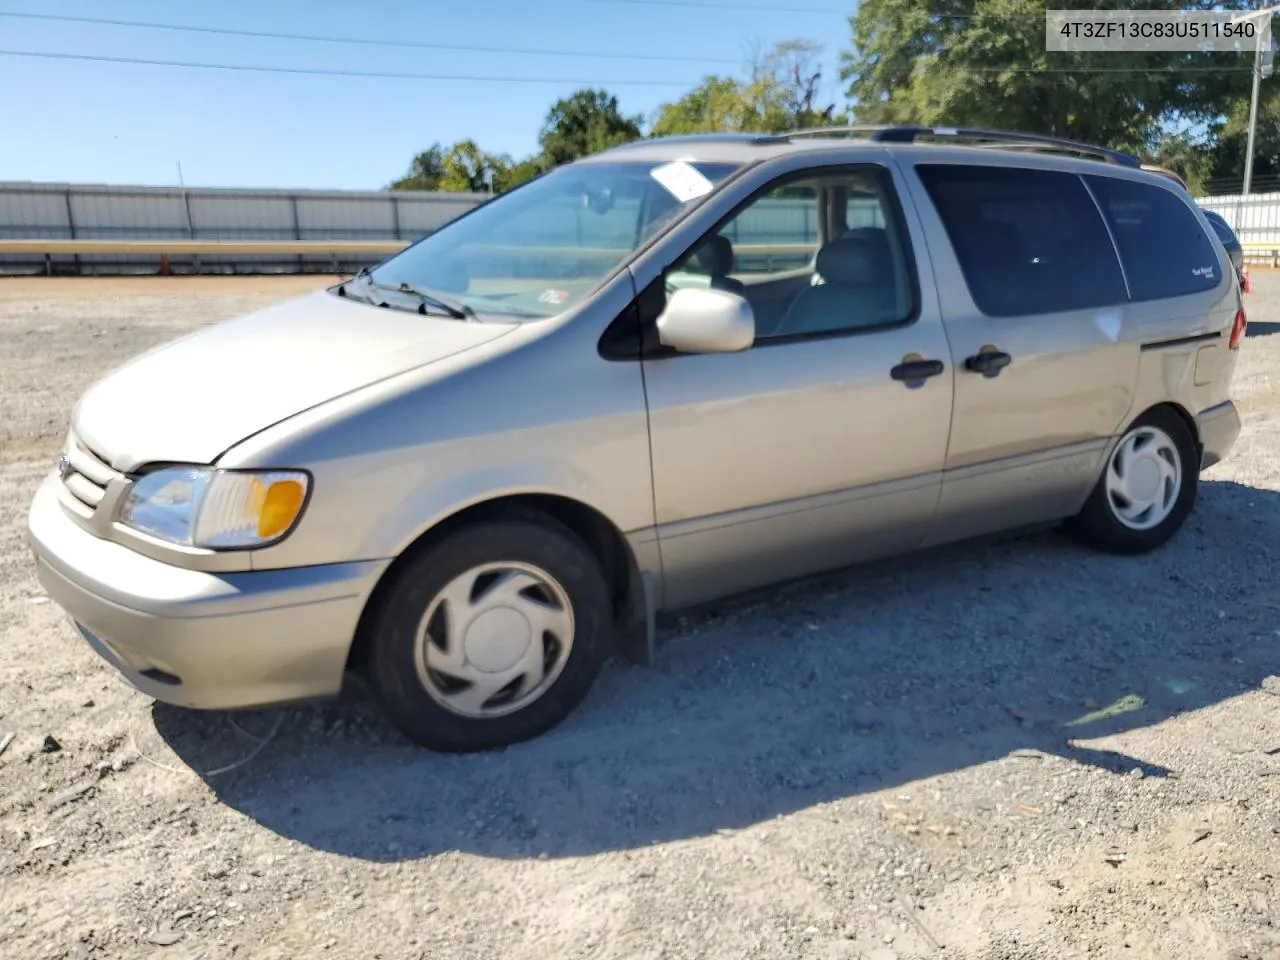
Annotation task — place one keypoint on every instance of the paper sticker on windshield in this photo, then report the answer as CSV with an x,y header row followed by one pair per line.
x,y
554,296
682,180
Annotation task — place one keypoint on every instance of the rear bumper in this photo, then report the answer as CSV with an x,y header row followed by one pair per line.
x,y
204,640
1218,427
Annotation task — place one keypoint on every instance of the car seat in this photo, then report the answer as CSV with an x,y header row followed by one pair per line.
x,y
715,256
857,291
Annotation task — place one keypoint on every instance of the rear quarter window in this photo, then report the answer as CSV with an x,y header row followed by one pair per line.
x,y
1028,241
1164,249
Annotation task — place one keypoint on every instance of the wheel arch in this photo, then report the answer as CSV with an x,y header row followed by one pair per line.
x,y
628,593
1179,411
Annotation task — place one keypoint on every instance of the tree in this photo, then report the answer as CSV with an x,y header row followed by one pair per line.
x,y
1186,156
780,92
584,123
468,169
789,75
983,63
520,172
426,170
1231,140
462,168
716,104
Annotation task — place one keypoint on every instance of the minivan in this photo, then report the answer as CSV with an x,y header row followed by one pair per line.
x,y
670,372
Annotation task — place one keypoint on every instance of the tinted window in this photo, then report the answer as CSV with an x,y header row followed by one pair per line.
x,y
1028,241
1220,227
1165,251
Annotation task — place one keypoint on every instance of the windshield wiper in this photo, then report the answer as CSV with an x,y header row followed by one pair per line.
x,y
451,308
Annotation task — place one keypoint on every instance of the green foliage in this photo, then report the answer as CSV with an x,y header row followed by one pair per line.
x,y
426,170
1231,139
983,63
462,168
584,123
520,172
779,94
468,169
1189,158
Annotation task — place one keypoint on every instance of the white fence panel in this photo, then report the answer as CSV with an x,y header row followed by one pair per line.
x,y
1255,218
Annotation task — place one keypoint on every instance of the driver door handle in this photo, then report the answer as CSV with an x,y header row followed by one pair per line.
x,y
916,370
988,363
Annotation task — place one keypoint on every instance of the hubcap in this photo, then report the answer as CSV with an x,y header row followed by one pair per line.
x,y
494,639
1144,478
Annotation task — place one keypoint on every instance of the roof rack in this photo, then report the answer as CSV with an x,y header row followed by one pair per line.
x,y
909,134
732,137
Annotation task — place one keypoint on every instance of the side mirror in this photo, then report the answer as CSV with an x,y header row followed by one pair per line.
x,y
704,320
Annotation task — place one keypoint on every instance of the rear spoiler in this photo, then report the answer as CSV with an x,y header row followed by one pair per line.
x,y
1167,174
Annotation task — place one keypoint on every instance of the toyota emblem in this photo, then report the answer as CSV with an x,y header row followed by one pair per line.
x,y
64,466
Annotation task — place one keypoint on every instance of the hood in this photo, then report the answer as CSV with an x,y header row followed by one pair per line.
x,y
191,400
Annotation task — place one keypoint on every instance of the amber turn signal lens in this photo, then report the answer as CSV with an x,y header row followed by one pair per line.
x,y
280,507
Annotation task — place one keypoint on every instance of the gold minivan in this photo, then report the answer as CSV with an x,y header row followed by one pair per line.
x,y
670,372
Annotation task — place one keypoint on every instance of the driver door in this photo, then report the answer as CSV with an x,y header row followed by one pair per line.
x,y
806,451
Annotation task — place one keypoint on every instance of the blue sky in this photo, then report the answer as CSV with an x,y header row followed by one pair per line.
x,y
127,123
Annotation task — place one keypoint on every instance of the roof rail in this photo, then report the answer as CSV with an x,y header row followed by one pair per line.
x,y
909,134
711,137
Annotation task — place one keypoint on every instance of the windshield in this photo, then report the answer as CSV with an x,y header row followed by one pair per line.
x,y
538,250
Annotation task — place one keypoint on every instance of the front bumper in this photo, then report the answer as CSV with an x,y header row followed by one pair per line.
x,y
1218,427
204,640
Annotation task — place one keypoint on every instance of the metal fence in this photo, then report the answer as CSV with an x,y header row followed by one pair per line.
x,y
30,211
1254,218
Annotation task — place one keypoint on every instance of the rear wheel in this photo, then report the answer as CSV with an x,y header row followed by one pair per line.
x,y
492,636
1146,490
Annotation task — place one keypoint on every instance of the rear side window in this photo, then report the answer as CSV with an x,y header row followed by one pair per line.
x,y
1028,241
1165,251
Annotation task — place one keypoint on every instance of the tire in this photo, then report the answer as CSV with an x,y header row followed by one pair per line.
x,y
458,619
1113,524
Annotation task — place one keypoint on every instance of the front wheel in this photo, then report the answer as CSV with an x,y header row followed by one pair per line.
x,y
1146,490
492,636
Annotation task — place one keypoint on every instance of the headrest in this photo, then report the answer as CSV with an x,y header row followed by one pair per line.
x,y
716,256
859,258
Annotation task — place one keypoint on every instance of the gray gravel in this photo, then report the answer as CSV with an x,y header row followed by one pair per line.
x,y
1011,749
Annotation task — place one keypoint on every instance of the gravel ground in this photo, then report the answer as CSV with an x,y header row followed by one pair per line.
x,y
1014,749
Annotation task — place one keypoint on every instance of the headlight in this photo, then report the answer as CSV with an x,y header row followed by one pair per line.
x,y
204,507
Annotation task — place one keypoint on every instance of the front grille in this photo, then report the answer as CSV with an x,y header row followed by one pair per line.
x,y
86,478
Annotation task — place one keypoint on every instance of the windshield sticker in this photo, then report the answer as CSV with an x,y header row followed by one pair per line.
x,y
554,296
682,180
1206,272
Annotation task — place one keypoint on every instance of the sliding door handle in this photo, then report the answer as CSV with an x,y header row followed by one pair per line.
x,y
988,363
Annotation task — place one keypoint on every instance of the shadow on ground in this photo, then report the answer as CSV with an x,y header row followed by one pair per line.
x,y
797,695
1261,328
